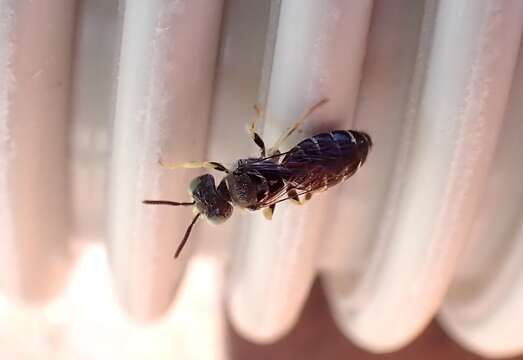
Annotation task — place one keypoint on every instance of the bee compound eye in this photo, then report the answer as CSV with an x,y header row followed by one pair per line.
x,y
202,183
219,213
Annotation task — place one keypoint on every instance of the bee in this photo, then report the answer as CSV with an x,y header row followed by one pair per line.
x,y
313,165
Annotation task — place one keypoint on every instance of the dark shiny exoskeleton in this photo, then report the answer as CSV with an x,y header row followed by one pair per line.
x,y
313,165
327,159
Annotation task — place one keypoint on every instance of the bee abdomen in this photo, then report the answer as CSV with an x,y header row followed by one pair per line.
x,y
329,158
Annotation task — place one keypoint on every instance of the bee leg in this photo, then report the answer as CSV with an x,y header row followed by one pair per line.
x,y
293,196
295,126
195,165
269,211
251,129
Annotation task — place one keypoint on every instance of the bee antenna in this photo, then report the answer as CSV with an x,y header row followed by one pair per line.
x,y
165,202
186,236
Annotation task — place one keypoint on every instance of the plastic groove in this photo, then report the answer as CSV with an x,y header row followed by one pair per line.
x,y
482,305
162,111
35,66
384,99
454,137
244,61
318,53
98,35
93,95
344,264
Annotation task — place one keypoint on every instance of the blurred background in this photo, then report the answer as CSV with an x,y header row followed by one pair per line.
x,y
417,255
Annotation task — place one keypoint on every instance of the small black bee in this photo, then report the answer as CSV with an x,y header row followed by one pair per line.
x,y
314,165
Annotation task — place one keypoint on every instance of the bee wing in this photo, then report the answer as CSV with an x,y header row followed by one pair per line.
x,y
284,196
271,170
302,169
314,183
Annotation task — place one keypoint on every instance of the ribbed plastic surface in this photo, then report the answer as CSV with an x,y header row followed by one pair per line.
x,y
93,94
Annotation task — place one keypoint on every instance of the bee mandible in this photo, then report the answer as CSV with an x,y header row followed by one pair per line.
x,y
313,165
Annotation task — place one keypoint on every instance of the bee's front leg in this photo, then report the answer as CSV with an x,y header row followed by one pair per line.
x,y
211,165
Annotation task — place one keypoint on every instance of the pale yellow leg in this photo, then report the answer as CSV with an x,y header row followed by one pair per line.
x,y
268,212
194,165
297,200
274,149
251,129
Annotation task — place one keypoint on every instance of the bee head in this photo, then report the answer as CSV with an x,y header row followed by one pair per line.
x,y
208,201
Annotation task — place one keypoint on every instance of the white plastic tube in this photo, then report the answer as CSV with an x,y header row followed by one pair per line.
x,y
398,50
453,139
242,70
318,54
392,76
429,80
165,83
482,309
35,83
97,48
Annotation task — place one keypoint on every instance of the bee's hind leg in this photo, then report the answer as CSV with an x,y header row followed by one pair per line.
x,y
251,129
295,198
274,149
269,211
